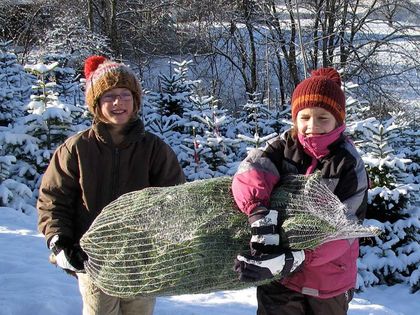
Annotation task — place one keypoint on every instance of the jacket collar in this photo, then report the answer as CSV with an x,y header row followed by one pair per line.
x,y
297,155
317,147
133,132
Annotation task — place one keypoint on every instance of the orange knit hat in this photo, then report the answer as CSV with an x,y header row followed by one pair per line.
x,y
321,89
103,74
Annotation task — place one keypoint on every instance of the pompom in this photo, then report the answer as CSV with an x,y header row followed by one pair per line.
x,y
91,64
329,73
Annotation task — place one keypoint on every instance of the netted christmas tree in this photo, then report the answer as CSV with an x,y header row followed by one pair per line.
x,y
183,239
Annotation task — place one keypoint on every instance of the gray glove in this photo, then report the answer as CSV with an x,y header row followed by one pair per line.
x,y
252,269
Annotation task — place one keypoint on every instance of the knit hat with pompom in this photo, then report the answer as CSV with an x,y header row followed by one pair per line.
x,y
103,74
321,89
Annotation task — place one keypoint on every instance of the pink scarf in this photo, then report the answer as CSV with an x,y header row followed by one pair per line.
x,y
317,146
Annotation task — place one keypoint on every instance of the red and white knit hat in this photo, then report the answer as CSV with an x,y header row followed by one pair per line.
x,y
321,89
103,74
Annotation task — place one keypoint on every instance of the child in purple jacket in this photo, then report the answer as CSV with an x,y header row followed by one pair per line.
x,y
319,281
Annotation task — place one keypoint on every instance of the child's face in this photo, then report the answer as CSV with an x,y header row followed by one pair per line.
x,y
117,106
315,121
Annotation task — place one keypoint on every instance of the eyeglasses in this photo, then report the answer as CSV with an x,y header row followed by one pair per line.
x,y
124,96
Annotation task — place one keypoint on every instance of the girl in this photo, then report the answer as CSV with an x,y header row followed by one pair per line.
x,y
324,282
91,169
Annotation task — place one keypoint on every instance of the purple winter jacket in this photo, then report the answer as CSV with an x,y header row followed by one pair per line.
x,y
331,268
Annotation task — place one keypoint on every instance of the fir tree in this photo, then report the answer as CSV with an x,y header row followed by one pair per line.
x,y
193,125
69,88
392,206
392,257
255,127
356,109
175,90
409,145
49,119
27,143
163,110
13,193
34,136
192,160
209,143
15,85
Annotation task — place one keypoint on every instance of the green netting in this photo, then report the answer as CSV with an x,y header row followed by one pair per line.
x,y
183,239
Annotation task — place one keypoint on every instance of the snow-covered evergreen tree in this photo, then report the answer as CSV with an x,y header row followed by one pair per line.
x,y
33,137
163,110
255,127
15,85
356,109
13,193
394,255
409,146
15,88
69,88
192,157
209,151
192,124
27,143
174,92
49,119
166,126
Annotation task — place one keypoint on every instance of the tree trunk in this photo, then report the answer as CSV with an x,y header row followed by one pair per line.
x,y
291,60
90,15
318,6
344,52
113,27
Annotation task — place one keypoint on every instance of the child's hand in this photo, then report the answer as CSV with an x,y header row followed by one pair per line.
x,y
68,256
267,235
252,269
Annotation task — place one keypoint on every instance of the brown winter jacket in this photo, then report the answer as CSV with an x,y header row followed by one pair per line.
x,y
88,171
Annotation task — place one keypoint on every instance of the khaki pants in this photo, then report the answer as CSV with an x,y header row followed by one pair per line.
x,y
96,302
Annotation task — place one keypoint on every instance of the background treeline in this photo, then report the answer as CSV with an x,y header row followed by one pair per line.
x,y
228,92
264,47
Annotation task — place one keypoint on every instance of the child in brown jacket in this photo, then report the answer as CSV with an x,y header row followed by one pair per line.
x,y
113,157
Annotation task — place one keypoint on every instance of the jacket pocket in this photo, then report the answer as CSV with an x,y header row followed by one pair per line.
x,y
335,267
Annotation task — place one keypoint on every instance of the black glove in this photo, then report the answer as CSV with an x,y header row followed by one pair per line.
x,y
68,255
252,269
268,237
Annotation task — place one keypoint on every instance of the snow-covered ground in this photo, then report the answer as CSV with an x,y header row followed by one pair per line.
x,y
29,285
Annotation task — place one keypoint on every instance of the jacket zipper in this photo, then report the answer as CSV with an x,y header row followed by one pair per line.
x,y
115,173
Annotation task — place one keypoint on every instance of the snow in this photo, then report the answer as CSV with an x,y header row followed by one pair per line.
x,y
41,68
32,286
